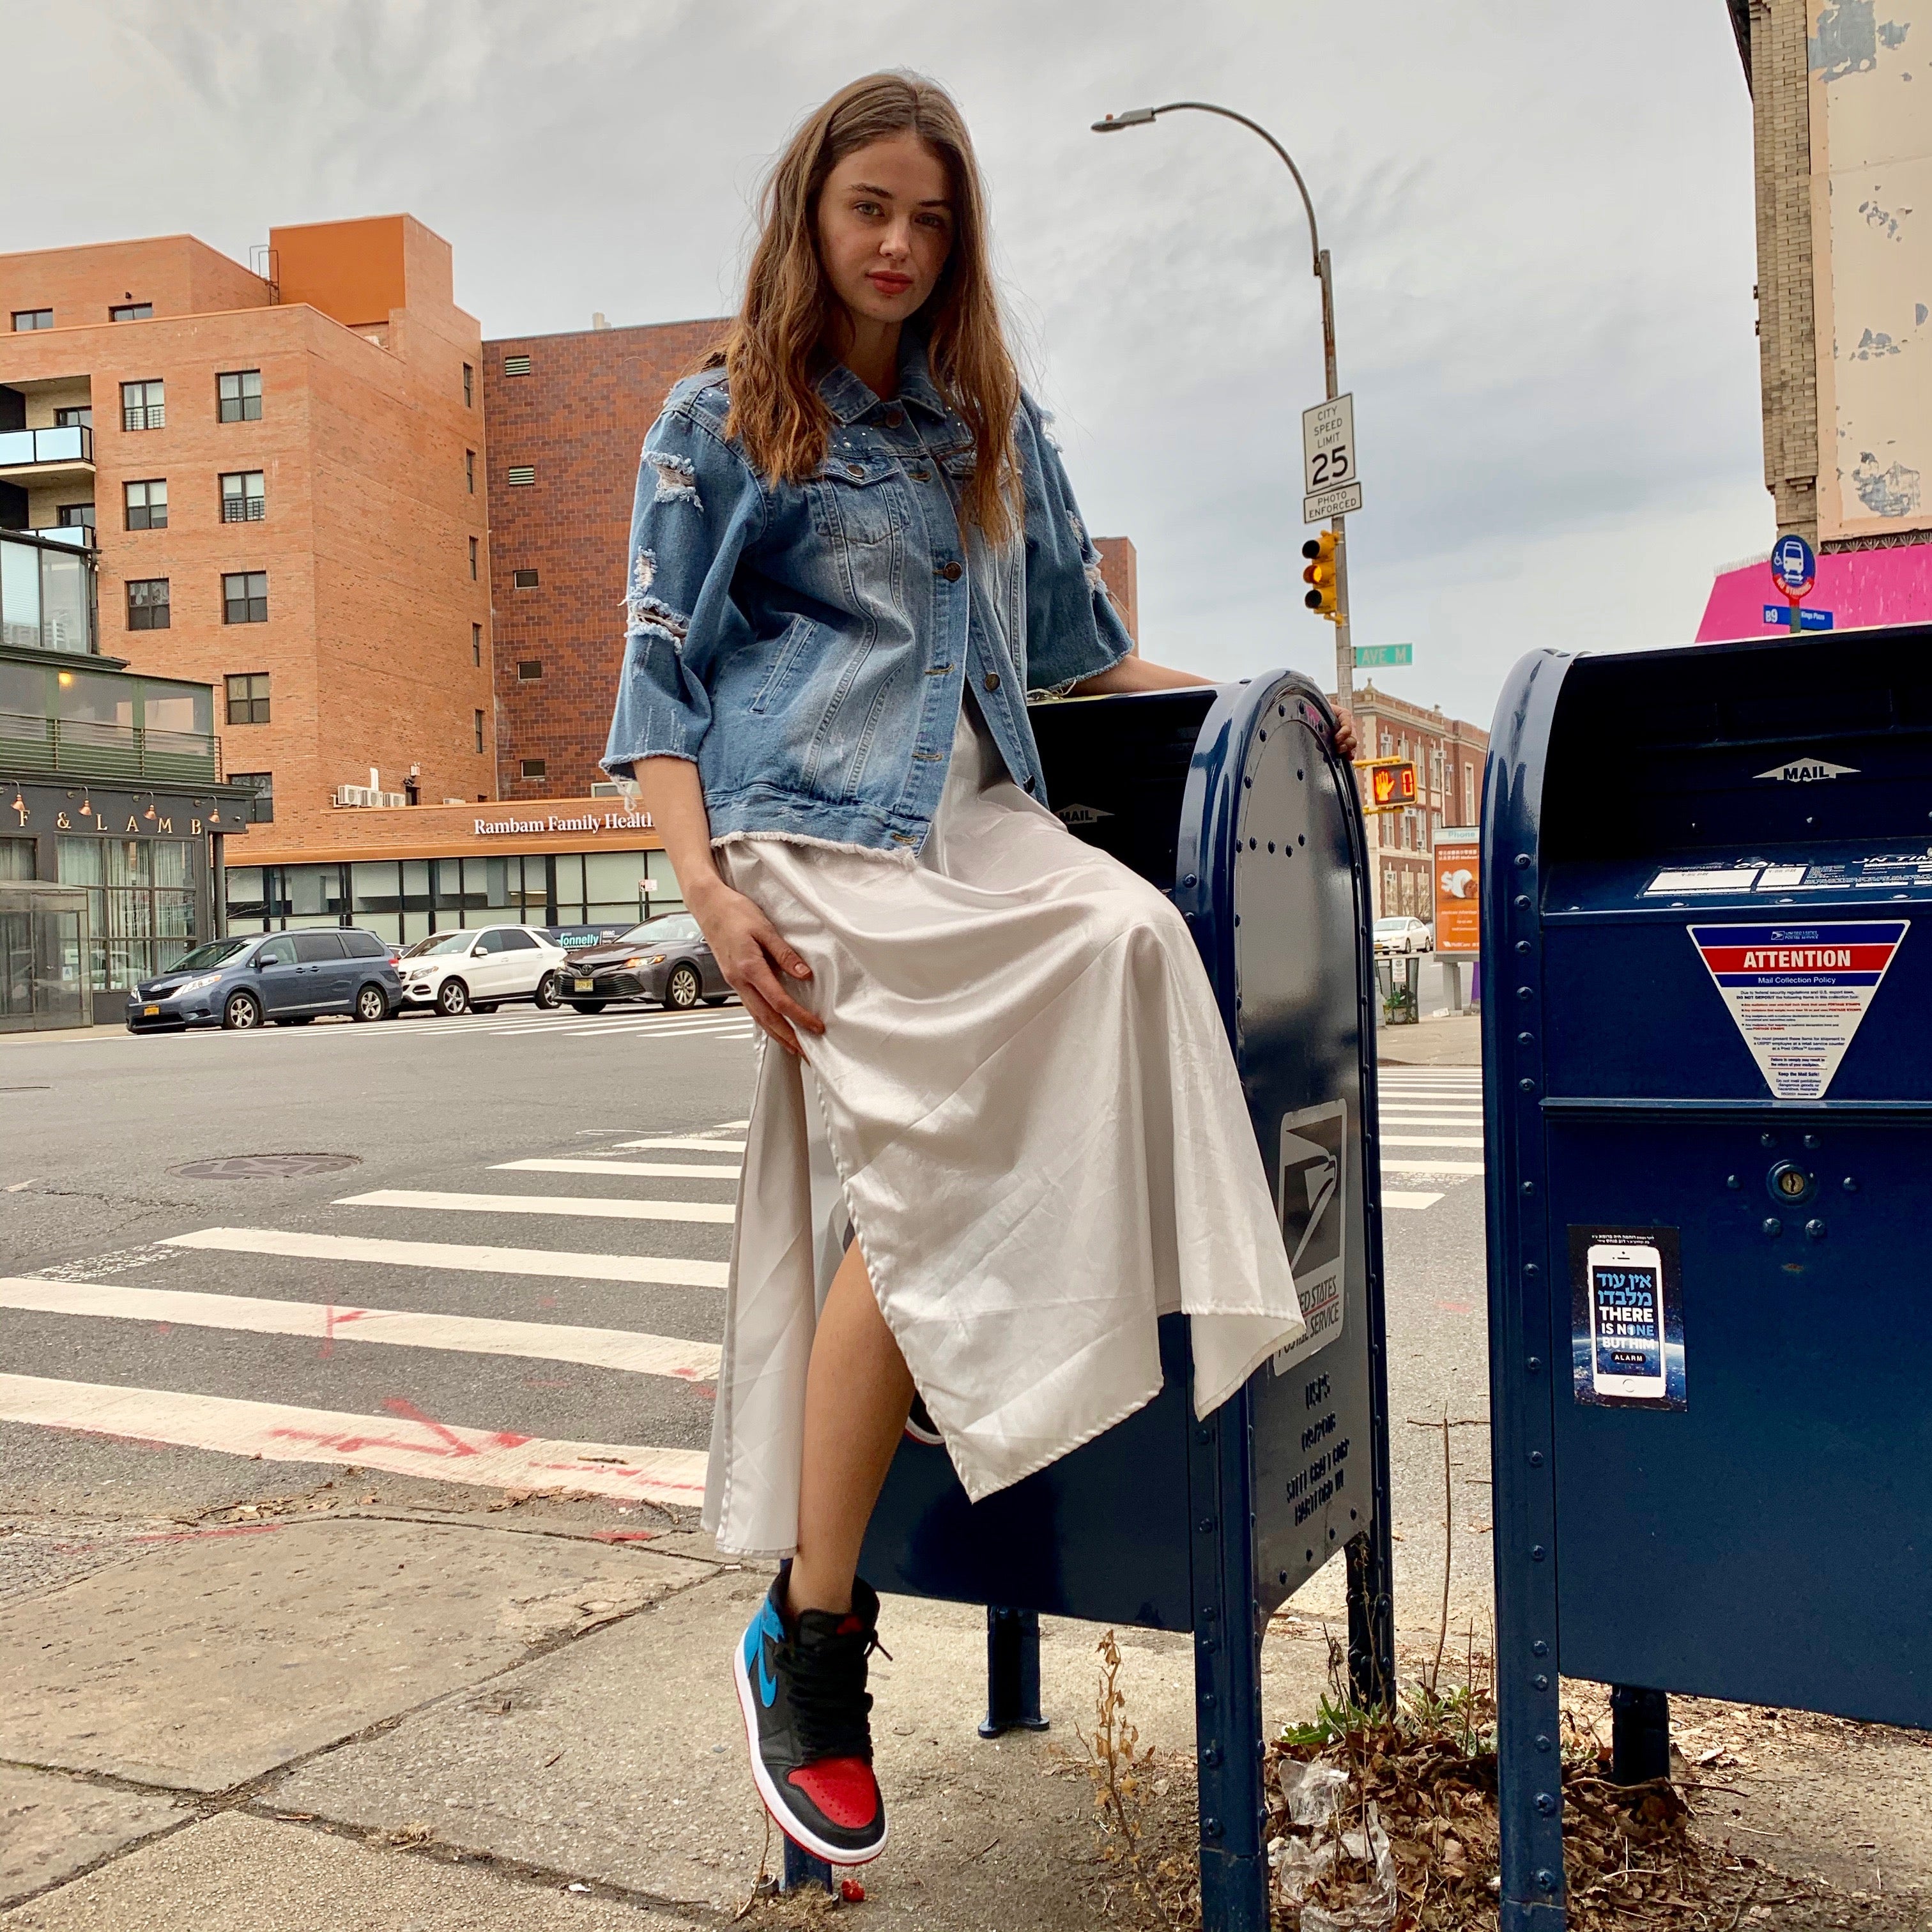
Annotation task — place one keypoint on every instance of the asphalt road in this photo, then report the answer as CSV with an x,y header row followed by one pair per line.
x,y
160,1332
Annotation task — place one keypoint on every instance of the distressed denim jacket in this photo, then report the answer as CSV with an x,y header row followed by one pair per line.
x,y
807,646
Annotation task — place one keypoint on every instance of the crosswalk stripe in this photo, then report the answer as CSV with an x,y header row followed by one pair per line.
x,y
565,1263
686,1141
403,1443
591,1207
1436,1117
1431,1140
1395,1198
661,1170
633,1353
1431,1166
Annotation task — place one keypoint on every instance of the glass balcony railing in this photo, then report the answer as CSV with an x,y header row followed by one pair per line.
x,y
74,444
76,536
82,749
47,594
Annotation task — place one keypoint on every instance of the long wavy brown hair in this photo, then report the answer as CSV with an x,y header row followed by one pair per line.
x,y
777,346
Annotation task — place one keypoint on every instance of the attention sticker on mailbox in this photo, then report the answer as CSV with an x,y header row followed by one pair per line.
x,y
1797,992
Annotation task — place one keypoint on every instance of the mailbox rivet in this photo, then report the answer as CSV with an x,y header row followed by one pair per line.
x,y
1535,1363
1773,1226
1731,1180
1539,1648
1537,1553
1812,1140
1547,1880
1522,946
1536,1459
1238,919
1532,1269
1529,1187
1539,1681
1207,1526
1815,1229
1211,1756
1210,1828
1545,1803
1526,1039
1525,993
1522,899
1207,1700
1850,1185
1281,1576
1526,1085
1767,1140
1543,1744
1523,862
1206,1646
1189,881
1204,1434
1207,1613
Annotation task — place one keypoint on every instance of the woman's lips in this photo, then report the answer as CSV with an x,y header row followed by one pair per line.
x,y
889,284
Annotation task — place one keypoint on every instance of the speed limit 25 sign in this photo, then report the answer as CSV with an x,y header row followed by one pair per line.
x,y
1328,460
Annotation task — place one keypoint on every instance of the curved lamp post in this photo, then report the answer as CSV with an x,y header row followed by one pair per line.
x,y
1143,117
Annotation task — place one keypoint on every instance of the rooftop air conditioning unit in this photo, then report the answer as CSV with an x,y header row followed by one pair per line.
x,y
365,795
601,789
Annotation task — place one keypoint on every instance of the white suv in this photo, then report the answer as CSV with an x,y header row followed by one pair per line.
x,y
456,972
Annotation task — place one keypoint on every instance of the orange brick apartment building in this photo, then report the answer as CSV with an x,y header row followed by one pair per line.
x,y
285,475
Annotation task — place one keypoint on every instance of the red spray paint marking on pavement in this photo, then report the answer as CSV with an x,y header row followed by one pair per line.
x,y
398,1405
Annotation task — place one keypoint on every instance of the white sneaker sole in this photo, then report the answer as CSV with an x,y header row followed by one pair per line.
x,y
781,1814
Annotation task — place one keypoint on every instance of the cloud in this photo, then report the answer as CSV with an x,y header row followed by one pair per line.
x,y
1543,258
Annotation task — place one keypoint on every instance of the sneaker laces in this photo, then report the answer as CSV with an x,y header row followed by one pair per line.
x,y
829,1702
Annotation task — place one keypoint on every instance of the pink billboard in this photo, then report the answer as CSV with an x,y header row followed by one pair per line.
x,y
1861,588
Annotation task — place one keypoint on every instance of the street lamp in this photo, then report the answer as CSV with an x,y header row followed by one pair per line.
x,y
1144,117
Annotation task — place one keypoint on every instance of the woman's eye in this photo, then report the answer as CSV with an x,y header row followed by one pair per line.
x,y
866,208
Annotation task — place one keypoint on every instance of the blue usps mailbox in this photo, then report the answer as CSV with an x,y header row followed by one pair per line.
x,y
1233,801
1710,1176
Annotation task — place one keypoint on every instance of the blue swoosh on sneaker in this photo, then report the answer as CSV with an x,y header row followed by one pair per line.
x,y
768,1685
766,1624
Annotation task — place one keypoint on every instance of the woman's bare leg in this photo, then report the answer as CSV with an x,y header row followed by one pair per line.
x,y
857,1395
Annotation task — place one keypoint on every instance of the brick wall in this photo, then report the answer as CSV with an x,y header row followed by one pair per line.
x,y
176,273
1120,570
1787,350
578,419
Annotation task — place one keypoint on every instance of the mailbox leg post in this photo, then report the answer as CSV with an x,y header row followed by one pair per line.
x,y
804,1873
1012,1671
1371,1616
1639,1734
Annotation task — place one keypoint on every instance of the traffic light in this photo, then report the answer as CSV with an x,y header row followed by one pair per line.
x,y
1320,575
1391,784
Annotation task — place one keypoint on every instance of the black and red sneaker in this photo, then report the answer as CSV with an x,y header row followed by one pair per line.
x,y
801,1686
919,1425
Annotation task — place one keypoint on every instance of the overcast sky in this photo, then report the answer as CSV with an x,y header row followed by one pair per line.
x,y
1539,213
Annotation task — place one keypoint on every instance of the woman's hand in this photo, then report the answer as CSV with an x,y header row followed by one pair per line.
x,y
756,961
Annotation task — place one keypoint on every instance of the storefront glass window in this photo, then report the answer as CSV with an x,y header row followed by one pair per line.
x,y
141,895
377,887
16,858
166,709
611,885
570,889
247,910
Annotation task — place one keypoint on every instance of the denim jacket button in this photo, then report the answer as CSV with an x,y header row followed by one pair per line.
x,y
992,680
920,476
952,573
895,418
855,469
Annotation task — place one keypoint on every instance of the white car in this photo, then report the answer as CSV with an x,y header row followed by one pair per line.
x,y
1403,934
479,969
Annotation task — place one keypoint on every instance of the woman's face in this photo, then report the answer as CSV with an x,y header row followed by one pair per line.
x,y
885,227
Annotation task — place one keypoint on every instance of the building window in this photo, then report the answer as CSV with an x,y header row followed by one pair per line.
x,y
469,387
522,475
130,312
479,731
516,365
244,597
74,517
25,319
147,504
533,768
238,396
469,469
142,406
529,670
259,810
524,579
476,643
243,500
148,606
472,559
248,698
77,419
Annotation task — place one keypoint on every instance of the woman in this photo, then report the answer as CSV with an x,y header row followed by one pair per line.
x,y
1003,1133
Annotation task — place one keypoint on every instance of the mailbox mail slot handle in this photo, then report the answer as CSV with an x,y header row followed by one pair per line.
x,y
1720,1109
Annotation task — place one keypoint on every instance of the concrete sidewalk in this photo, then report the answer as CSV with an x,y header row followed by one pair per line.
x,y
401,1720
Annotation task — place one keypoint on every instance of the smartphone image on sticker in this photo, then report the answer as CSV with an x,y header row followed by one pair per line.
x,y
1625,1294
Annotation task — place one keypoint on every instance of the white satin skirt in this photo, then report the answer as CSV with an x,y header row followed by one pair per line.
x,y
1024,1106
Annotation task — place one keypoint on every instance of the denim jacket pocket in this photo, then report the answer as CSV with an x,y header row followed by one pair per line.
x,y
854,494
786,651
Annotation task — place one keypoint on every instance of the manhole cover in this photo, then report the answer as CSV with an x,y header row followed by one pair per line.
x,y
264,1166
